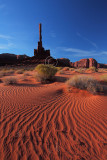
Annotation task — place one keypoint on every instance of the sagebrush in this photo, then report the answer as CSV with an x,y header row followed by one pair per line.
x,y
85,82
45,72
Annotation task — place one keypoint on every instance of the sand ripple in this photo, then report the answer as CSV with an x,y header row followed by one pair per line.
x,y
44,122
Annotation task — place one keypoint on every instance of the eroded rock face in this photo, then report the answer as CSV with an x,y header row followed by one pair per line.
x,y
92,63
85,63
100,65
21,57
9,59
64,62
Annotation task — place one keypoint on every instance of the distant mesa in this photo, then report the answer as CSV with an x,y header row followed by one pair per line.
x,y
40,56
9,59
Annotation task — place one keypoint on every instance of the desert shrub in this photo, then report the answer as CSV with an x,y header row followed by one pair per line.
x,y
93,69
19,71
9,81
2,73
59,68
45,72
61,72
103,77
80,70
26,74
66,69
71,69
86,83
24,78
9,72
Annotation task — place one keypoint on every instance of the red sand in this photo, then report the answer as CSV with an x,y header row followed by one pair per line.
x,y
45,122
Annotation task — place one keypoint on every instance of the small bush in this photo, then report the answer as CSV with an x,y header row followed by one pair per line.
x,y
66,69
24,78
2,73
20,71
80,70
26,74
9,81
58,68
71,69
103,77
86,83
45,72
93,69
61,72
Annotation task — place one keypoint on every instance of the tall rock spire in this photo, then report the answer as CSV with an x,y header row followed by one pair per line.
x,y
40,52
40,32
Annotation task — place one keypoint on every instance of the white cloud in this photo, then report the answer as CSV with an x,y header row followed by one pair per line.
x,y
82,53
6,46
5,37
86,39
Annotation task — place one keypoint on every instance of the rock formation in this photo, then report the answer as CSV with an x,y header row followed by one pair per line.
x,y
87,63
9,59
40,52
64,62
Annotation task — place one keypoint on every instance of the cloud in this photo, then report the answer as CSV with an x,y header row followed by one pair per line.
x,y
2,6
6,46
5,37
86,39
82,53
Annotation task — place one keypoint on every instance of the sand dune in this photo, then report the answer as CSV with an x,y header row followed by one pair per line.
x,y
45,122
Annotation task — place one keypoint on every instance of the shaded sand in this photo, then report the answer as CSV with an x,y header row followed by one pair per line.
x,y
45,122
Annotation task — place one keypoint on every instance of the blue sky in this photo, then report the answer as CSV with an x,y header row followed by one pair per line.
x,y
73,29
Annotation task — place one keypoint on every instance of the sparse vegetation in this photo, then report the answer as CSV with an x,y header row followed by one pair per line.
x,y
2,73
19,71
80,70
61,72
24,78
103,77
59,68
84,82
9,80
93,69
66,69
45,73
71,69
26,74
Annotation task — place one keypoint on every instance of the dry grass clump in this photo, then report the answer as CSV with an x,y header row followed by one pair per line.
x,y
59,68
103,77
61,72
71,69
2,73
9,81
21,71
24,78
102,69
93,69
45,73
26,74
85,83
66,69
80,70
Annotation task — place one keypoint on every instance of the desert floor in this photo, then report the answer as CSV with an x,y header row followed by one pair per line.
x,y
46,122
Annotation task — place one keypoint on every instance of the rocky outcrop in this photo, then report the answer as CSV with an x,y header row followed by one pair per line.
x,y
21,57
84,63
100,65
64,62
9,59
92,63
